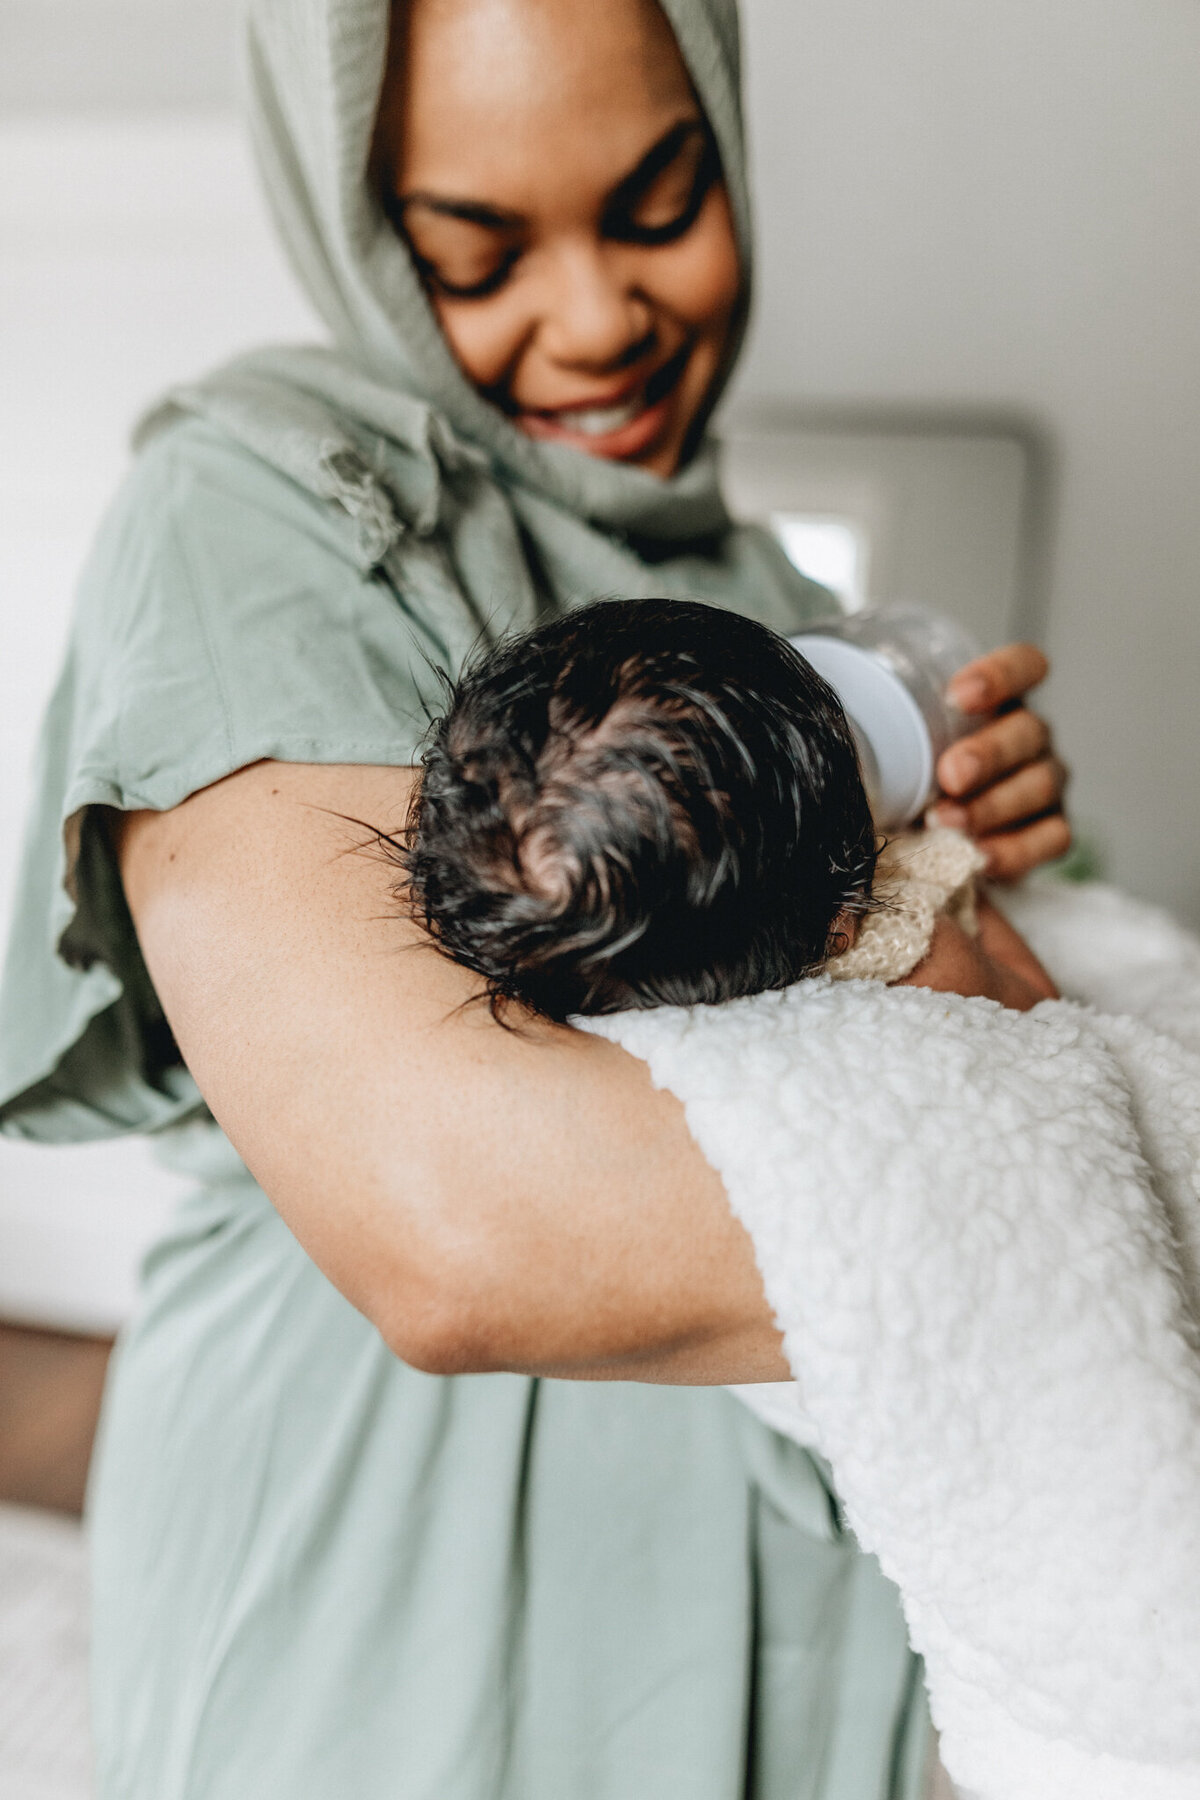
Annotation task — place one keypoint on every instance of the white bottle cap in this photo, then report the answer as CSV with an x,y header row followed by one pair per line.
x,y
897,752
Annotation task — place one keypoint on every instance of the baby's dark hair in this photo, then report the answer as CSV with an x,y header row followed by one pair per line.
x,y
644,802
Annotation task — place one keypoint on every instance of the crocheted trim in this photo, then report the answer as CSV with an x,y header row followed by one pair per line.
x,y
919,876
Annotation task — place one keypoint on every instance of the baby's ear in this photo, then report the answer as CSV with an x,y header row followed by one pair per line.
x,y
843,933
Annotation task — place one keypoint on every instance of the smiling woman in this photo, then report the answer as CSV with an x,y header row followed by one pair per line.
x,y
590,295
412,1478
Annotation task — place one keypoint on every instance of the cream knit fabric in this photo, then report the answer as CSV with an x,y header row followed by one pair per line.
x,y
919,875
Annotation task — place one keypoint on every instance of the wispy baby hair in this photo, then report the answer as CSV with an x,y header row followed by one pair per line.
x,y
643,802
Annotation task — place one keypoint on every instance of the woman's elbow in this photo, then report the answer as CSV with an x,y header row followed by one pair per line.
x,y
410,1254
439,1340
437,1315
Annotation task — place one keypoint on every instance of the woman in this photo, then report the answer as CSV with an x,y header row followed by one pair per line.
x,y
322,1568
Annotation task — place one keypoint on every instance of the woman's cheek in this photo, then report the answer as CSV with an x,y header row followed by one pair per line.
x,y
700,278
485,337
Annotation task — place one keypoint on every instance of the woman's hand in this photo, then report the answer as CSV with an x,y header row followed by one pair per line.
x,y
1004,783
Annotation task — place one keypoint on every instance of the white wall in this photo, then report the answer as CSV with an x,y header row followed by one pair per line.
x,y
979,205
59,55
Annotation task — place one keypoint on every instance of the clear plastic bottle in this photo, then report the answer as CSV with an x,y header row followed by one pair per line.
x,y
890,667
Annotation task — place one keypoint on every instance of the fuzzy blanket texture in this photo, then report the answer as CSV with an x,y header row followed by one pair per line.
x,y
980,1234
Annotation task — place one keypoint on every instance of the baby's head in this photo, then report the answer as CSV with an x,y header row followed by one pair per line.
x,y
644,802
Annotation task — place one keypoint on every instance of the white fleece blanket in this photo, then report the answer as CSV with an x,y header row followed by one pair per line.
x,y
980,1233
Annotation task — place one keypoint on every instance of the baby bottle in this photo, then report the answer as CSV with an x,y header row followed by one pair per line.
x,y
889,667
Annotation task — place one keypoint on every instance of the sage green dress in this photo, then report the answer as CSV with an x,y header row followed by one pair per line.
x,y
319,1574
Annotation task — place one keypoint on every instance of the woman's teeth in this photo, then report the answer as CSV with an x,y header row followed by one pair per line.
x,y
598,421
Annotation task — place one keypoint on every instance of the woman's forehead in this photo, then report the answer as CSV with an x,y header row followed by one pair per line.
x,y
492,83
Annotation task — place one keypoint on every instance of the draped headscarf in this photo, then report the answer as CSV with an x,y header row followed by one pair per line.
x,y
385,426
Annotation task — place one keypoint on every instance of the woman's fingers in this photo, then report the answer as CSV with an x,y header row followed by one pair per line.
x,y
998,748
998,678
1012,854
1003,783
1035,789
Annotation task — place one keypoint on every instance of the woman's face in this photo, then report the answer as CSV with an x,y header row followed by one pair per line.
x,y
551,169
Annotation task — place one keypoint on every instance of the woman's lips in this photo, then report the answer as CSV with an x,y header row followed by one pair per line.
x,y
619,430
635,429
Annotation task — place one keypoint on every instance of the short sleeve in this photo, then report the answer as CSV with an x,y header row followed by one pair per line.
x,y
221,620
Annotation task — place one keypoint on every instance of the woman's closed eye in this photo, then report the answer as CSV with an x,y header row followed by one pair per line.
x,y
662,198
461,250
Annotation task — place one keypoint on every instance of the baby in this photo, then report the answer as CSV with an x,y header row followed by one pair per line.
x,y
658,802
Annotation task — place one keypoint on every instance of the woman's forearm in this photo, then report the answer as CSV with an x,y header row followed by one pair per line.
x,y
490,1199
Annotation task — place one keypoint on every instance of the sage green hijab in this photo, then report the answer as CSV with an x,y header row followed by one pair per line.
x,y
385,426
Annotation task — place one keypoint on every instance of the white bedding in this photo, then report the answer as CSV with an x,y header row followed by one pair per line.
x,y
980,1233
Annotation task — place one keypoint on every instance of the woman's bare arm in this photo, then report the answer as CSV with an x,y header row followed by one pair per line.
x,y
490,1200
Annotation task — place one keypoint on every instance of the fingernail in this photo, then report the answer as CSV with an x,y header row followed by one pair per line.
x,y
969,692
946,813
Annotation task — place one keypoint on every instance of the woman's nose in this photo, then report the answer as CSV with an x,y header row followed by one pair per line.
x,y
594,316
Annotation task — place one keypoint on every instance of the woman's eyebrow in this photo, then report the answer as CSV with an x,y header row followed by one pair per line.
x,y
660,156
473,212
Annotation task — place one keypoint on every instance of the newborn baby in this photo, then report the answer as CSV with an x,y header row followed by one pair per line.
x,y
652,802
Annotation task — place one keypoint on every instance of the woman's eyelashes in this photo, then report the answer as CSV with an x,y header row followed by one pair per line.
x,y
661,200
460,250
473,287
465,251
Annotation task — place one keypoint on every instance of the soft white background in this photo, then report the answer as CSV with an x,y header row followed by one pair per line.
x,y
965,207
